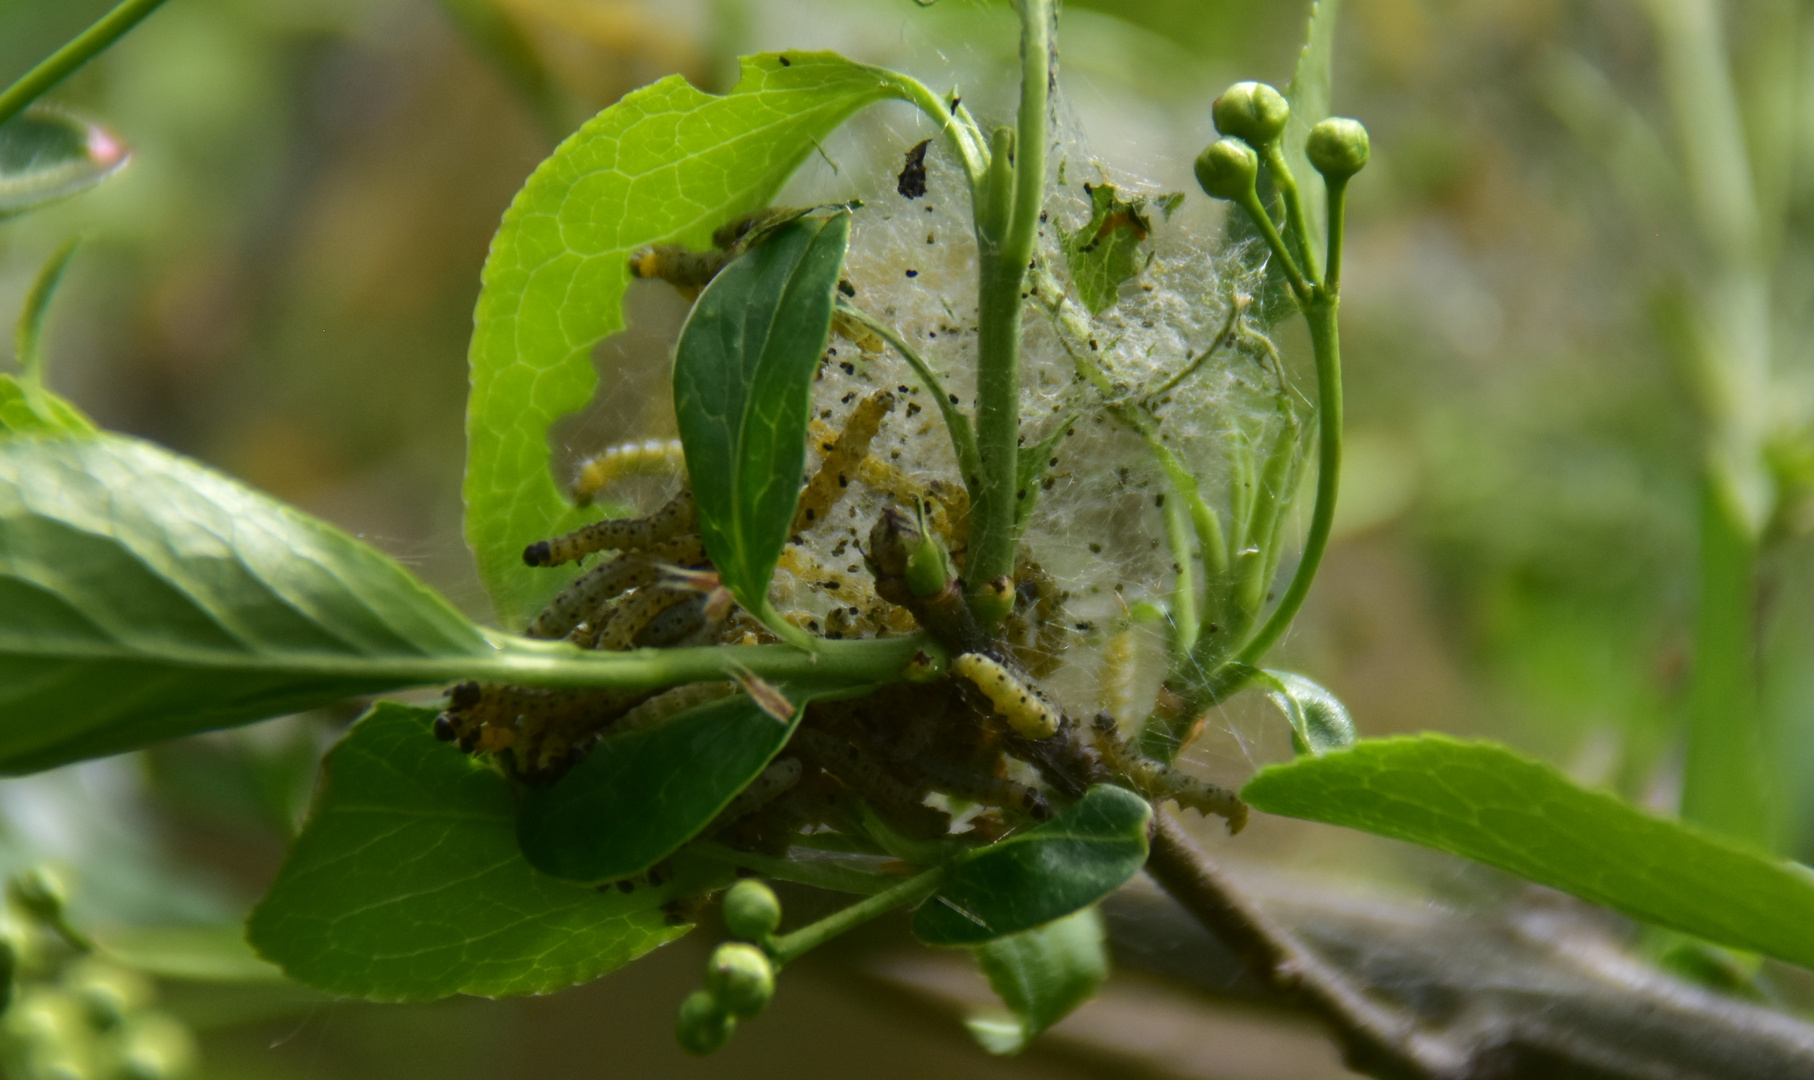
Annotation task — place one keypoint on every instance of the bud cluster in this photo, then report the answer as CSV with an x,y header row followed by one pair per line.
x,y
739,977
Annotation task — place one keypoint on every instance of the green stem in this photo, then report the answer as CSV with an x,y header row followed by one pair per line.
x,y
1325,343
1184,618
957,425
787,948
1338,211
1724,785
966,141
1001,277
1300,286
108,29
1287,186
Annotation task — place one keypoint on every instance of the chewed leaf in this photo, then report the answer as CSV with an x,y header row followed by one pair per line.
x,y
1485,802
1040,975
640,795
742,382
406,883
48,154
1106,251
1041,874
667,164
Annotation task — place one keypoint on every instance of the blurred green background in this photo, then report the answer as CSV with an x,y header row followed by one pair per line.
x,y
282,282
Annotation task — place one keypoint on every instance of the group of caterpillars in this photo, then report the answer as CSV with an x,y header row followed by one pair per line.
x,y
984,738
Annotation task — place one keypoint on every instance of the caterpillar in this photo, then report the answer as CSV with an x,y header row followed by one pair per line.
x,y
617,631
898,803
842,454
1157,781
773,782
592,590
656,457
676,516
1026,712
663,707
543,729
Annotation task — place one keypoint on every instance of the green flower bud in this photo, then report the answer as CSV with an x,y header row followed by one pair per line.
x,y
928,571
109,992
40,891
1251,111
1338,147
703,1026
752,911
156,1047
1228,169
740,978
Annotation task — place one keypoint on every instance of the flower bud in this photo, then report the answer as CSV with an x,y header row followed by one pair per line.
x,y
1228,169
1251,111
703,1026
40,891
751,910
740,978
155,1047
1338,147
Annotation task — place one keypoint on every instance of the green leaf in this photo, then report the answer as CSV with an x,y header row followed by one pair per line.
x,y
667,164
742,385
1040,975
29,409
1485,802
143,597
637,797
1319,721
1308,93
1044,873
406,883
48,154
26,407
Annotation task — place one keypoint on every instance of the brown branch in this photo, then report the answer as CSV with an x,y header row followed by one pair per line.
x,y
1376,1039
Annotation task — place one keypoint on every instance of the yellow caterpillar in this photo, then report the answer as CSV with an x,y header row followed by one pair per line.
x,y
656,457
842,455
617,631
1025,711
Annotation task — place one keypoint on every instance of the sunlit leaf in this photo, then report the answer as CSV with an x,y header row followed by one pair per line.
x,y
48,154
638,796
1042,873
1485,802
667,164
742,385
406,883
1040,975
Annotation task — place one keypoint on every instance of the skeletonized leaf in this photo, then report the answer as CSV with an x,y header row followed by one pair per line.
x,y
406,883
1041,874
742,384
640,795
667,164
1485,802
1040,975
48,154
